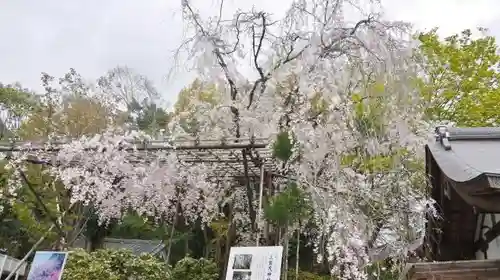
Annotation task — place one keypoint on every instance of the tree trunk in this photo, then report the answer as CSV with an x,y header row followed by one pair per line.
x,y
297,255
185,229
172,231
218,250
61,241
250,196
208,243
186,247
277,237
285,254
229,238
269,192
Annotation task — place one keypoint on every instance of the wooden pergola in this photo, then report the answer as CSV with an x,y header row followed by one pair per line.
x,y
236,157
248,161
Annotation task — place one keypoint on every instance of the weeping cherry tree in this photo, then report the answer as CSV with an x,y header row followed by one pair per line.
x,y
343,94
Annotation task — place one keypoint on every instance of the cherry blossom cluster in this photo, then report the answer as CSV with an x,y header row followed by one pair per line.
x,y
345,94
113,173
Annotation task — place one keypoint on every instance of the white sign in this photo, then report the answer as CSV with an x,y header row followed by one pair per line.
x,y
254,263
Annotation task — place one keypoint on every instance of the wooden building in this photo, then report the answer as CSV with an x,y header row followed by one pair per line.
x,y
463,167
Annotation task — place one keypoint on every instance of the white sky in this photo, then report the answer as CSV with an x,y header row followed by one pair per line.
x,y
93,36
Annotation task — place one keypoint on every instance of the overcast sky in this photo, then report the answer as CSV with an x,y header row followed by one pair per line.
x,y
93,36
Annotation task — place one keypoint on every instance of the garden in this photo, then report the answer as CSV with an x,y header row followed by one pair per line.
x,y
316,146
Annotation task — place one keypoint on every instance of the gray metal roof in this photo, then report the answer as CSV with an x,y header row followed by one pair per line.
x,y
464,154
137,246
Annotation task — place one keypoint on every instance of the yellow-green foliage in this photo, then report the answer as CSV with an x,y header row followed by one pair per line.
x,y
462,78
113,265
305,275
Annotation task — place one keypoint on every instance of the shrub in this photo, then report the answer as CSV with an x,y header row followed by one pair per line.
x,y
306,275
113,265
199,269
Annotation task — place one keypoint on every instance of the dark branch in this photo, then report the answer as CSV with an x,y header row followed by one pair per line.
x,y
222,63
256,48
40,202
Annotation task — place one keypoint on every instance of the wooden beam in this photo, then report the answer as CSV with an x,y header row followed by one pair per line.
x,y
475,269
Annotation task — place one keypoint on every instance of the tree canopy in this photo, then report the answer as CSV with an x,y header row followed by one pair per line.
x,y
461,78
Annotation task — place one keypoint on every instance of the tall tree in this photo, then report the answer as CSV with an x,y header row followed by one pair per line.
x,y
127,87
149,117
69,107
16,103
137,96
461,78
192,103
338,62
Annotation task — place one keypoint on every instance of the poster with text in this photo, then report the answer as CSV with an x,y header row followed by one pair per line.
x,y
254,263
47,265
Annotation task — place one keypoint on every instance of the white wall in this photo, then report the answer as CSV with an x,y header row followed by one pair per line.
x,y
493,251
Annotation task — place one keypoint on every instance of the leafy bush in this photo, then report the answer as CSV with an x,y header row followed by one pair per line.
x,y
113,265
199,269
306,275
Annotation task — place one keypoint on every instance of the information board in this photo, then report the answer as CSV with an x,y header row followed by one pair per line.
x,y
254,263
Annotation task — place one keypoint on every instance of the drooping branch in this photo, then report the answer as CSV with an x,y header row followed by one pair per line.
x,y
221,61
249,191
41,203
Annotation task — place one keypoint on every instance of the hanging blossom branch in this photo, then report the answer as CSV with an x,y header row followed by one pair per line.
x,y
355,123
311,31
112,174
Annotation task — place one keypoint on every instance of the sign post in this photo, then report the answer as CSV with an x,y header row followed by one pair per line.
x,y
254,263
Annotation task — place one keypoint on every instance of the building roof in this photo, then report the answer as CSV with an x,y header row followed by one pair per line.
x,y
464,154
137,246
469,159
463,168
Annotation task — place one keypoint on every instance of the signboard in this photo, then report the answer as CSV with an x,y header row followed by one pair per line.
x,y
254,263
47,265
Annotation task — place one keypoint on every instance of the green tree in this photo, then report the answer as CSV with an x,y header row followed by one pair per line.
x,y
15,103
461,78
287,209
192,100
189,268
138,95
136,227
148,116
66,108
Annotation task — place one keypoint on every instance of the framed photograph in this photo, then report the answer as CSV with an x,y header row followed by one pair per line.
x,y
48,265
242,261
242,275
